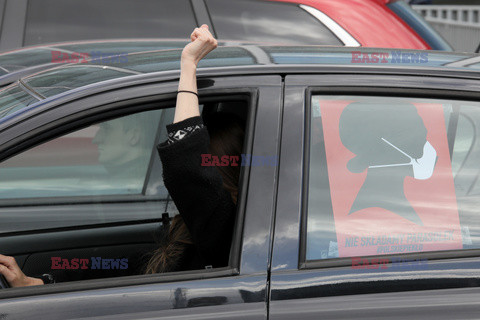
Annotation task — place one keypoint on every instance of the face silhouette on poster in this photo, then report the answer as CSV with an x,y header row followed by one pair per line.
x,y
391,142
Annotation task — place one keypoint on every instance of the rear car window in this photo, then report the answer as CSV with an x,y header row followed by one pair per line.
x,y
268,22
67,20
391,176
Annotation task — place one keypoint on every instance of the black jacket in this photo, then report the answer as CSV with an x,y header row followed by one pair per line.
x,y
205,206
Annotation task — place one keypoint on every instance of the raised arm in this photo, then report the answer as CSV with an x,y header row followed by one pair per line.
x,y
202,43
198,192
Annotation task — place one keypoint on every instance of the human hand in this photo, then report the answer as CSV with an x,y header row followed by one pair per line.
x,y
202,43
14,275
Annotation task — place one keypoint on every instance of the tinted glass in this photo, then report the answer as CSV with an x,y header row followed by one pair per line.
x,y
267,22
64,79
13,99
22,59
392,175
66,20
17,60
110,158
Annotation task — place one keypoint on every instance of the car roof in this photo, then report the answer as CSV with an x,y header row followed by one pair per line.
x,y
256,55
244,59
19,63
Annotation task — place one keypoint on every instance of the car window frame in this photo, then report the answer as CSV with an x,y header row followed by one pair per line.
x,y
116,109
367,92
35,139
234,85
374,81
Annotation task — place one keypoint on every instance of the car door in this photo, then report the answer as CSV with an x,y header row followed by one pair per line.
x,y
377,210
44,225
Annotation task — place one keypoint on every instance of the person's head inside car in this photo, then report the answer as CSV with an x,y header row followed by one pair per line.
x,y
125,144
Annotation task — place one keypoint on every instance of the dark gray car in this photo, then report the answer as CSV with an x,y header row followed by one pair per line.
x,y
370,210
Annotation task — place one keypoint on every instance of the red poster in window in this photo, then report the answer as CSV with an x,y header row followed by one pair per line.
x,y
390,177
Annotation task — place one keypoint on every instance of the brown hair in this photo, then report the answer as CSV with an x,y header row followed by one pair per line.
x,y
226,138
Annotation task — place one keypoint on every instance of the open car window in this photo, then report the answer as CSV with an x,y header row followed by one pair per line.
x,y
391,176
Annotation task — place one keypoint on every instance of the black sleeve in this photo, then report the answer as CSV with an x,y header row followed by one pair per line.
x,y
198,192
183,129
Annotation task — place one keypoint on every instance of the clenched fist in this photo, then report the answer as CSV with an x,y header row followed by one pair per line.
x,y
202,43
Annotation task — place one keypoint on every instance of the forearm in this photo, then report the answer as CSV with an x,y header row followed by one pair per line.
x,y
187,103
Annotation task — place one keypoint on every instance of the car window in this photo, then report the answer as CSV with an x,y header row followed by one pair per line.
x,y
392,175
13,99
66,20
108,172
108,158
60,80
268,22
17,60
99,51
464,142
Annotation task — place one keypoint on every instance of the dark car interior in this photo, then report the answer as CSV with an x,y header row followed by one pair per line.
x,y
59,251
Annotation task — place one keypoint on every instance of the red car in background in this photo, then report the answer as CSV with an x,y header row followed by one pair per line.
x,y
376,23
